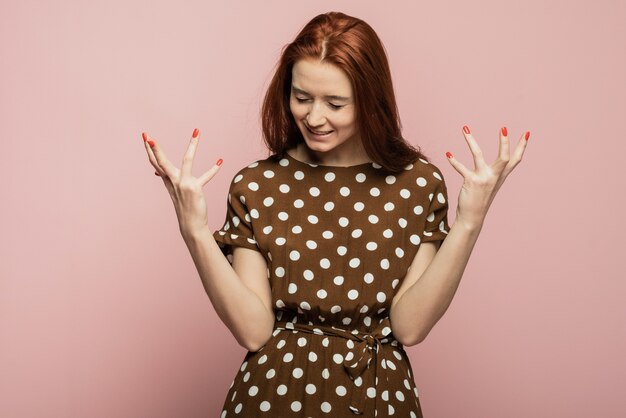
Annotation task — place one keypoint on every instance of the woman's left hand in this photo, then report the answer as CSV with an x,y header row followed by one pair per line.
x,y
481,185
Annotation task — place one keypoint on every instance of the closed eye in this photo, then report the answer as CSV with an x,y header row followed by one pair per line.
x,y
334,106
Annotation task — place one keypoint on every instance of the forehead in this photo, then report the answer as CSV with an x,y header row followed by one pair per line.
x,y
320,78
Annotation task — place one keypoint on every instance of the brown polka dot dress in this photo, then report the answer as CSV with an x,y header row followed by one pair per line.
x,y
338,242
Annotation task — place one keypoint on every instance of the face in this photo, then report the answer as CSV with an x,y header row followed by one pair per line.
x,y
322,100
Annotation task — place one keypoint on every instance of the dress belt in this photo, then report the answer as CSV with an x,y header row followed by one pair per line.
x,y
357,362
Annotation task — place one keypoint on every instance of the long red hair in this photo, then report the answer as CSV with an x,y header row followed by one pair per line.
x,y
353,46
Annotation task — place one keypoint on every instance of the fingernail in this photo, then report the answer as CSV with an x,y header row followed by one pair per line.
x,y
219,162
195,133
504,132
145,136
151,142
466,129
527,135
449,155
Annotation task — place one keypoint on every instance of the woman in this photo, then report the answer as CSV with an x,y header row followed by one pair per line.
x,y
336,251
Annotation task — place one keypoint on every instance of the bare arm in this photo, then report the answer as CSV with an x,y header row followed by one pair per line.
x,y
416,311
239,293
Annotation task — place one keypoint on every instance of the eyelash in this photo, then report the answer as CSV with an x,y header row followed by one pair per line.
x,y
331,105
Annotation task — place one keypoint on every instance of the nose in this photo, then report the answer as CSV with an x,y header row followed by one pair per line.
x,y
316,117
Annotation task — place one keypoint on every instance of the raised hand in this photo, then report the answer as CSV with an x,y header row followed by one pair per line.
x,y
184,189
481,185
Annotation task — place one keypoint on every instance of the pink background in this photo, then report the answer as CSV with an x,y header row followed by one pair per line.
x,y
102,313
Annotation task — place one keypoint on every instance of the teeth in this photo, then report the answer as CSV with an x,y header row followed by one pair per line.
x,y
319,133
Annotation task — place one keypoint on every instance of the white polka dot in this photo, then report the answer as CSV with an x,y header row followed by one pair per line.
x,y
387,233
353,294
280,241
313,219
268,173
288,357
342,250
389,206
368,278
280,272
341,390
265,406
399,395
284,188
402,222
305,306
344,191
329,206
418,210
405,193
338,280
390,409
373,219
268,201
359,206
338,358
326,407
437,176
296,406
297,372
308,275
343,221
371,392
360,177
329,176
381,297
311,244
327,234
384,264
325,374
253,186
371,246
299,175
441,198
281,390
357,233
310,389
294,255
322,294
415,239
375,191
325,263
390,179
314,191
284,162
296,229
283,216
298,203
399,252
253,390
237,178
292,288
354,263
421,181
431,217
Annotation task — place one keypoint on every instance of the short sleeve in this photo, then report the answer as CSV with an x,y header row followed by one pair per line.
x,y
436,227
237,230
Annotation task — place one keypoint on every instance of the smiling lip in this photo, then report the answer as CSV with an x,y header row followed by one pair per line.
x,y
317,132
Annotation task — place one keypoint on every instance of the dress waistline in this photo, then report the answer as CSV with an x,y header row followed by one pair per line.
x,y
357,362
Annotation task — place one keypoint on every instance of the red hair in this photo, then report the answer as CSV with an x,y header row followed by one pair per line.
x,y
352,45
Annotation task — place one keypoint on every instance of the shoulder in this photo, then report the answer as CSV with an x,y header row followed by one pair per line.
x,y
423,175
255,173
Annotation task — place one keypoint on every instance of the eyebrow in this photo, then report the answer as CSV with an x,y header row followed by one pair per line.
x,y
333,97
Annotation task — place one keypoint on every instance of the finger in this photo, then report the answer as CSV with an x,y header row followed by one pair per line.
x,y
151,157
520,148
503,152
208,175
190,154
477,153
166,166
456,164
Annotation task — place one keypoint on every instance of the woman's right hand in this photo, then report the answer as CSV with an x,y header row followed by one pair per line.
x,y
184,189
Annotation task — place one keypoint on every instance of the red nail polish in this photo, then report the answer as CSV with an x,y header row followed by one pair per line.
x,y
195,133
219,162
527,136
145,136
466,129
449,155
504,132
151,142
